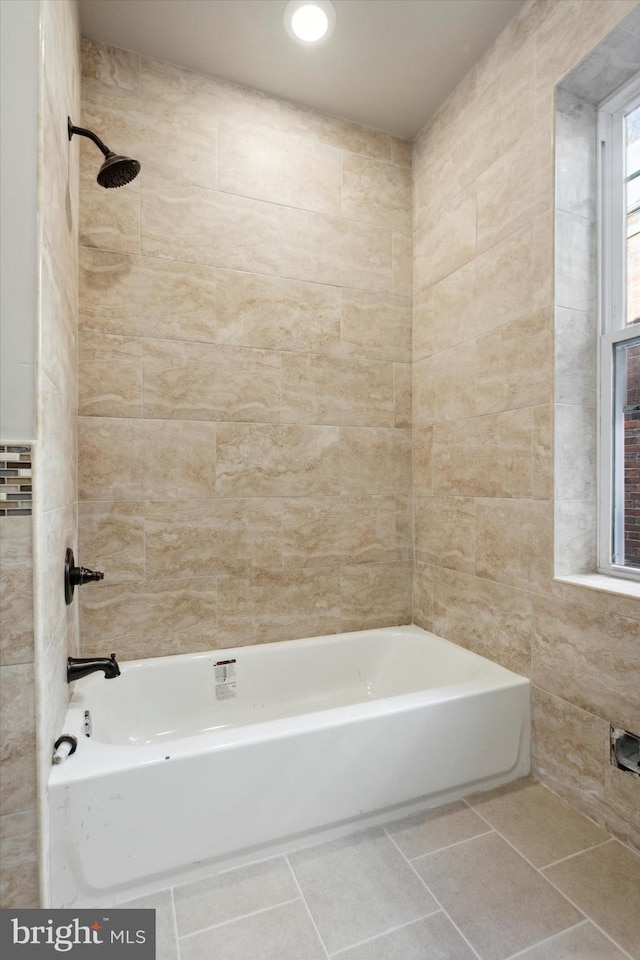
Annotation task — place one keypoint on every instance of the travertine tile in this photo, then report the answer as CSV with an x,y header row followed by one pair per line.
x,y
513,365
276,313
491,619
588,660
203,538
375,594
516,188
446,242
422,461
283,931
146,459
542,453
185,222
455,313
482,884
423,833
228,895
268,165
484,457
513,542
423,577
401,151
569,749
174,144
444,531
146,297
376,326
19,884
622,805
605,884
375,460
359,887
283,460
402,265
16,590
111,538
197,381
402,401
278,605
426,939
108,221
376,192
307,122
149,619
109,375
538,824
18,836
219,229
56,456
18,755
444,385
110,65
322,532
58,325
317,389
513,278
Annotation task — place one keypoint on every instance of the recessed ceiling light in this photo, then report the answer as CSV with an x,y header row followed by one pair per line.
x,y
309,21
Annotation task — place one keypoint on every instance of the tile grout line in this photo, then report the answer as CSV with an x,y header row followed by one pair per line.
x,y
379,936
174,917
570,856
447,846
561,892
306,906
242,916
426,886
554,936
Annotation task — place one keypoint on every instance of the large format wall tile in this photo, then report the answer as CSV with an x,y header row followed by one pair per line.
x,y
322,532
196,381
258,162
376,192
444,532
341,390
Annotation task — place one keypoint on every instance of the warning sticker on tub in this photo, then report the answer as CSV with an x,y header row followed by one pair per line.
x,y
225,674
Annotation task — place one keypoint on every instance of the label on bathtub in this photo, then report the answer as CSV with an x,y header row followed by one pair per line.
x,y
225,674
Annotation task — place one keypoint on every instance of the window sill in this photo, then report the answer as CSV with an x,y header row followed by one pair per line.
x,y
600,581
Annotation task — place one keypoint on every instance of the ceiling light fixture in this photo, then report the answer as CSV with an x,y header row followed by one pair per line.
x,y
309,21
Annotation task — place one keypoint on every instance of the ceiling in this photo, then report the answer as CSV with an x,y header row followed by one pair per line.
x,y
389,64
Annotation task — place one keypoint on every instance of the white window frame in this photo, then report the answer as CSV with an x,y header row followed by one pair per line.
x,y
611,309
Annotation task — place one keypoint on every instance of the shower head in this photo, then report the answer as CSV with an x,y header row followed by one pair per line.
x,y
115,170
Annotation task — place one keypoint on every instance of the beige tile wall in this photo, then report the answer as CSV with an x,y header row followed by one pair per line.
x,y
244,367
483,393
55,478
38,636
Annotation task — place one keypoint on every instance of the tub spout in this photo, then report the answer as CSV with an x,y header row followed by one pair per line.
x,y
78,667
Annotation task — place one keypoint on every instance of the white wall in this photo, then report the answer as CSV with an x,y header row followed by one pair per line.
x,y
18,231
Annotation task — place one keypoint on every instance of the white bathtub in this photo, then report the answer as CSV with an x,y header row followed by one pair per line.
x,y
190,769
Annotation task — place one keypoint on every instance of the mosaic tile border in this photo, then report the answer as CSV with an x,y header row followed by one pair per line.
x,y
16,480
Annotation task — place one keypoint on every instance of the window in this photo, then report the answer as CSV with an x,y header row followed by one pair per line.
x,y
619,315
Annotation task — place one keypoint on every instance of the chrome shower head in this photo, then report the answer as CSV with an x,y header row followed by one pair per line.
x,y
115,171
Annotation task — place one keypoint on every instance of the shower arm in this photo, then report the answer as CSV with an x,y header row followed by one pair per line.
x,y
87,133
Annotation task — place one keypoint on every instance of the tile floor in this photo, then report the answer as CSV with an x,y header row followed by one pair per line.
x,y
514,872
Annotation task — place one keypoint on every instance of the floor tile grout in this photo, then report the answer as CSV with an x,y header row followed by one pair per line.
x,y
561,892
242,916
378,936
174,918
449,846
426,885
306,905
554,936
570,856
